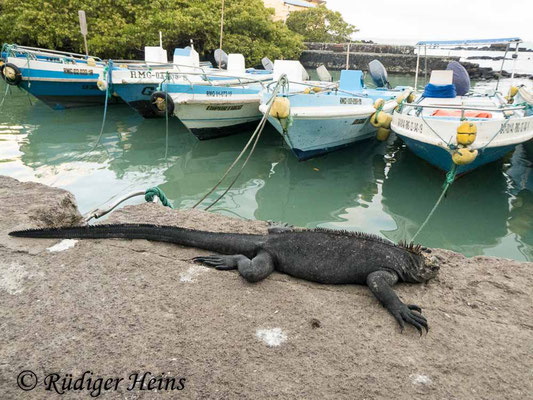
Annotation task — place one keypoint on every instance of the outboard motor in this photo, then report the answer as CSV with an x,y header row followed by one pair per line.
x,y
378,73
267,64
461,80
323,74
221,58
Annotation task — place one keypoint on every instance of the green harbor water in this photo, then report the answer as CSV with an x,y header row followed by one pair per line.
x,y
379,188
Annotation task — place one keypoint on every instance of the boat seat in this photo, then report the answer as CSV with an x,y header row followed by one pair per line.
x,y
457,113
236,64
292,68
351,80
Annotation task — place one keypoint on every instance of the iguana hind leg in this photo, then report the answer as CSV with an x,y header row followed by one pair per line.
x,y
254,270
380,283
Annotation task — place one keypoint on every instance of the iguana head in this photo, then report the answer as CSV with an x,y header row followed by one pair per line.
x,y
429,266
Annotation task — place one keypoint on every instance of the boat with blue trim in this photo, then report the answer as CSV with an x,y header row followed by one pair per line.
x,y
452,127
59,79
315,118
216,103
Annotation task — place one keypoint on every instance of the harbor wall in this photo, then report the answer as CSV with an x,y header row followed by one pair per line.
x,y
399,59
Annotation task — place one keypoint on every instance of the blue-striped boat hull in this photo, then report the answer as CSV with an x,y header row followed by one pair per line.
x,y
442,159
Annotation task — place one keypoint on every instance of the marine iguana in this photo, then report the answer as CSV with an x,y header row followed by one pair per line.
x,y
317,255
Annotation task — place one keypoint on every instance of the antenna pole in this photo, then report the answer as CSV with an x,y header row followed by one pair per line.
x,y
348,55
221,33
160,39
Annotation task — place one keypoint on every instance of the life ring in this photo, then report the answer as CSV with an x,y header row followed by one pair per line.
x,y
11,74
158,101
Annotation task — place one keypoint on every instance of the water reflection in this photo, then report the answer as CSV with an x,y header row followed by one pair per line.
x,y
520,173
472,217
374,187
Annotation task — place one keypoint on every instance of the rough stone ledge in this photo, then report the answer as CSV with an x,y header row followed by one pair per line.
x,y
115,307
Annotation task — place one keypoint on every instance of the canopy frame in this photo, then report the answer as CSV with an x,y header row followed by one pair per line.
x,y
468,42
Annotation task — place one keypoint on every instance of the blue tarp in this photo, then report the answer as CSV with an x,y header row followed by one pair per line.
x,y
440,91
469,42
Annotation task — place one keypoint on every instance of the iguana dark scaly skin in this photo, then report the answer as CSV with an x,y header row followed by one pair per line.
x,y
319,255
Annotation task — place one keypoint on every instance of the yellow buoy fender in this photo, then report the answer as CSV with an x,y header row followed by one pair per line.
x,y
383,134
381,119
102,85
11,74
160,103
410,98
466,133
316,89
399,99
280,108
464,156
307,90
379,103
91,62
512,93
384,120
374,120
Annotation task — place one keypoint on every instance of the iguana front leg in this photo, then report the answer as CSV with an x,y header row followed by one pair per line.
x,y
380,283
254,270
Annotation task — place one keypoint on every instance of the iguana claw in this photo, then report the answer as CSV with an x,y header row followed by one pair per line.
x,y
410,313
219,262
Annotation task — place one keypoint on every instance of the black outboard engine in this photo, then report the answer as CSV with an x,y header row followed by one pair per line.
x,y
461,80
378,73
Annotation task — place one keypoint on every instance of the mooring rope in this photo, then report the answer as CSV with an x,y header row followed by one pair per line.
x,y
450,178
156,191
107,73
5,95
281,82
242,167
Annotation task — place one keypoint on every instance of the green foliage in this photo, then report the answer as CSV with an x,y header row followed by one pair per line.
x,y
319,24
121,28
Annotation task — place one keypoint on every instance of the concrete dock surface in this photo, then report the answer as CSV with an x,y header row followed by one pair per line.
x,y
119,309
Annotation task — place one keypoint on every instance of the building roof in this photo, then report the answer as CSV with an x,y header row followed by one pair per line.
x,y
299,3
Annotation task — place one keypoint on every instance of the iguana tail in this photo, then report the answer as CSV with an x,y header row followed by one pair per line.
x,y
225,243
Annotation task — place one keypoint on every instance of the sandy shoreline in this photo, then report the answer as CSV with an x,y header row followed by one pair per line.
x,y
117,307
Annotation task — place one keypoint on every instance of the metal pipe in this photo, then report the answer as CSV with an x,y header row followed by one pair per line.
x,y
221,33
468,108
425,65
515,56
97,213
501,68
417,66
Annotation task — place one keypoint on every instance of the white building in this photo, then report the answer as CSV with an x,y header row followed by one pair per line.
x,y
282,8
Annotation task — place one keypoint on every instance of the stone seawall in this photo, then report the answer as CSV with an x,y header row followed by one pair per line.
x,y
395,58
